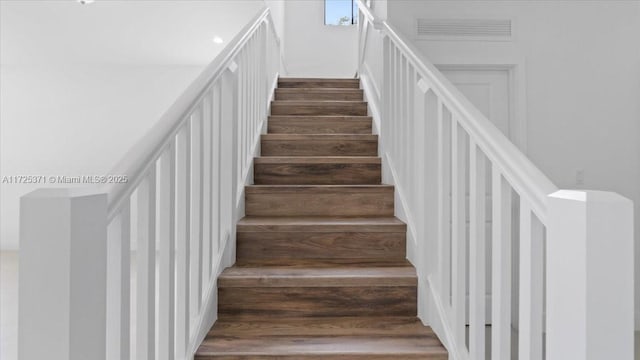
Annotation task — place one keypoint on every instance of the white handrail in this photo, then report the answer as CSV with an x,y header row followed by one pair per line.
x,y
455,174
183,198
522,173
138,159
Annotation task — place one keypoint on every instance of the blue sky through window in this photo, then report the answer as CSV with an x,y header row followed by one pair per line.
x,y
340,12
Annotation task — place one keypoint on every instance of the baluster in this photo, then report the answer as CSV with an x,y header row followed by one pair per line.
x,y
477,228
444,200
401,126
166,235
458,228
216,153
386,96
531,287
206,191
146,266
119,284
183,221
241,111
397,115
255,86
247,104
501,267
411,140
196,209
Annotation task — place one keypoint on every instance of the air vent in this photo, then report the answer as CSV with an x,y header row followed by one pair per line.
x,y
465,29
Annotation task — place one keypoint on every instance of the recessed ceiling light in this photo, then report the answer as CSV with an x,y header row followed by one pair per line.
x,y
85,2
218,40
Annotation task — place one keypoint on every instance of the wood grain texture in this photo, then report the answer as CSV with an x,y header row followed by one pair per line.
x,y
319,200
339,276
256,246
322,347
320,224
317,170
319,94
318,83
309,107
321,270
318,301
319,145
387,326
300,124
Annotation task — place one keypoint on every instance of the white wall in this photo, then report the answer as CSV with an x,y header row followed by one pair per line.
x,y
75,120
80,84
277,14
581,62
314,49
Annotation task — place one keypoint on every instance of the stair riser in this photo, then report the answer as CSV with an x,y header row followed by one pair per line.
x,y
283,246
307,94
327,203
344,84
319,301
319,147
331,108
319,126
317,174
346,356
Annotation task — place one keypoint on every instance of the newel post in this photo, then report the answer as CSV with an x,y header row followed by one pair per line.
x,y
589,276
63,254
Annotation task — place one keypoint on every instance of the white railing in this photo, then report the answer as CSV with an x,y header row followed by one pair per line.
x,y
82,293
493,239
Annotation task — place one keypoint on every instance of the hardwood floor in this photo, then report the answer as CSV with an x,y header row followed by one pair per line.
x,y
321,270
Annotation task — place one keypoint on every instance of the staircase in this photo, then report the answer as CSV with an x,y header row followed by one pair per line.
x,y
321,271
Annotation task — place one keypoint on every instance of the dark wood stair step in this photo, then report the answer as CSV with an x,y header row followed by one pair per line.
x,y
346,276
319,94
244,326
319,200
273,241
322,347
336,291
298,170
319,145
320,224
318,124
318,83
309,107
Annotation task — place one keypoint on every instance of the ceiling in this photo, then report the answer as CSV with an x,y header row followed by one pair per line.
x,y
119,31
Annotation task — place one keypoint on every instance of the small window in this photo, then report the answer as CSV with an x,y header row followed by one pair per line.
x,y
340,12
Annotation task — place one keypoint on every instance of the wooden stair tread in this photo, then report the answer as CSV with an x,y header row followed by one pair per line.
x,y
318,224
320,117
322,263
284,276
319,124
319,107
343,94
324,326
318,160
323,137
318,83
319,90
346,347
257,189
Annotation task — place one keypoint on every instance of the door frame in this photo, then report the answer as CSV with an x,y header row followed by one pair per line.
x,y
517,93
